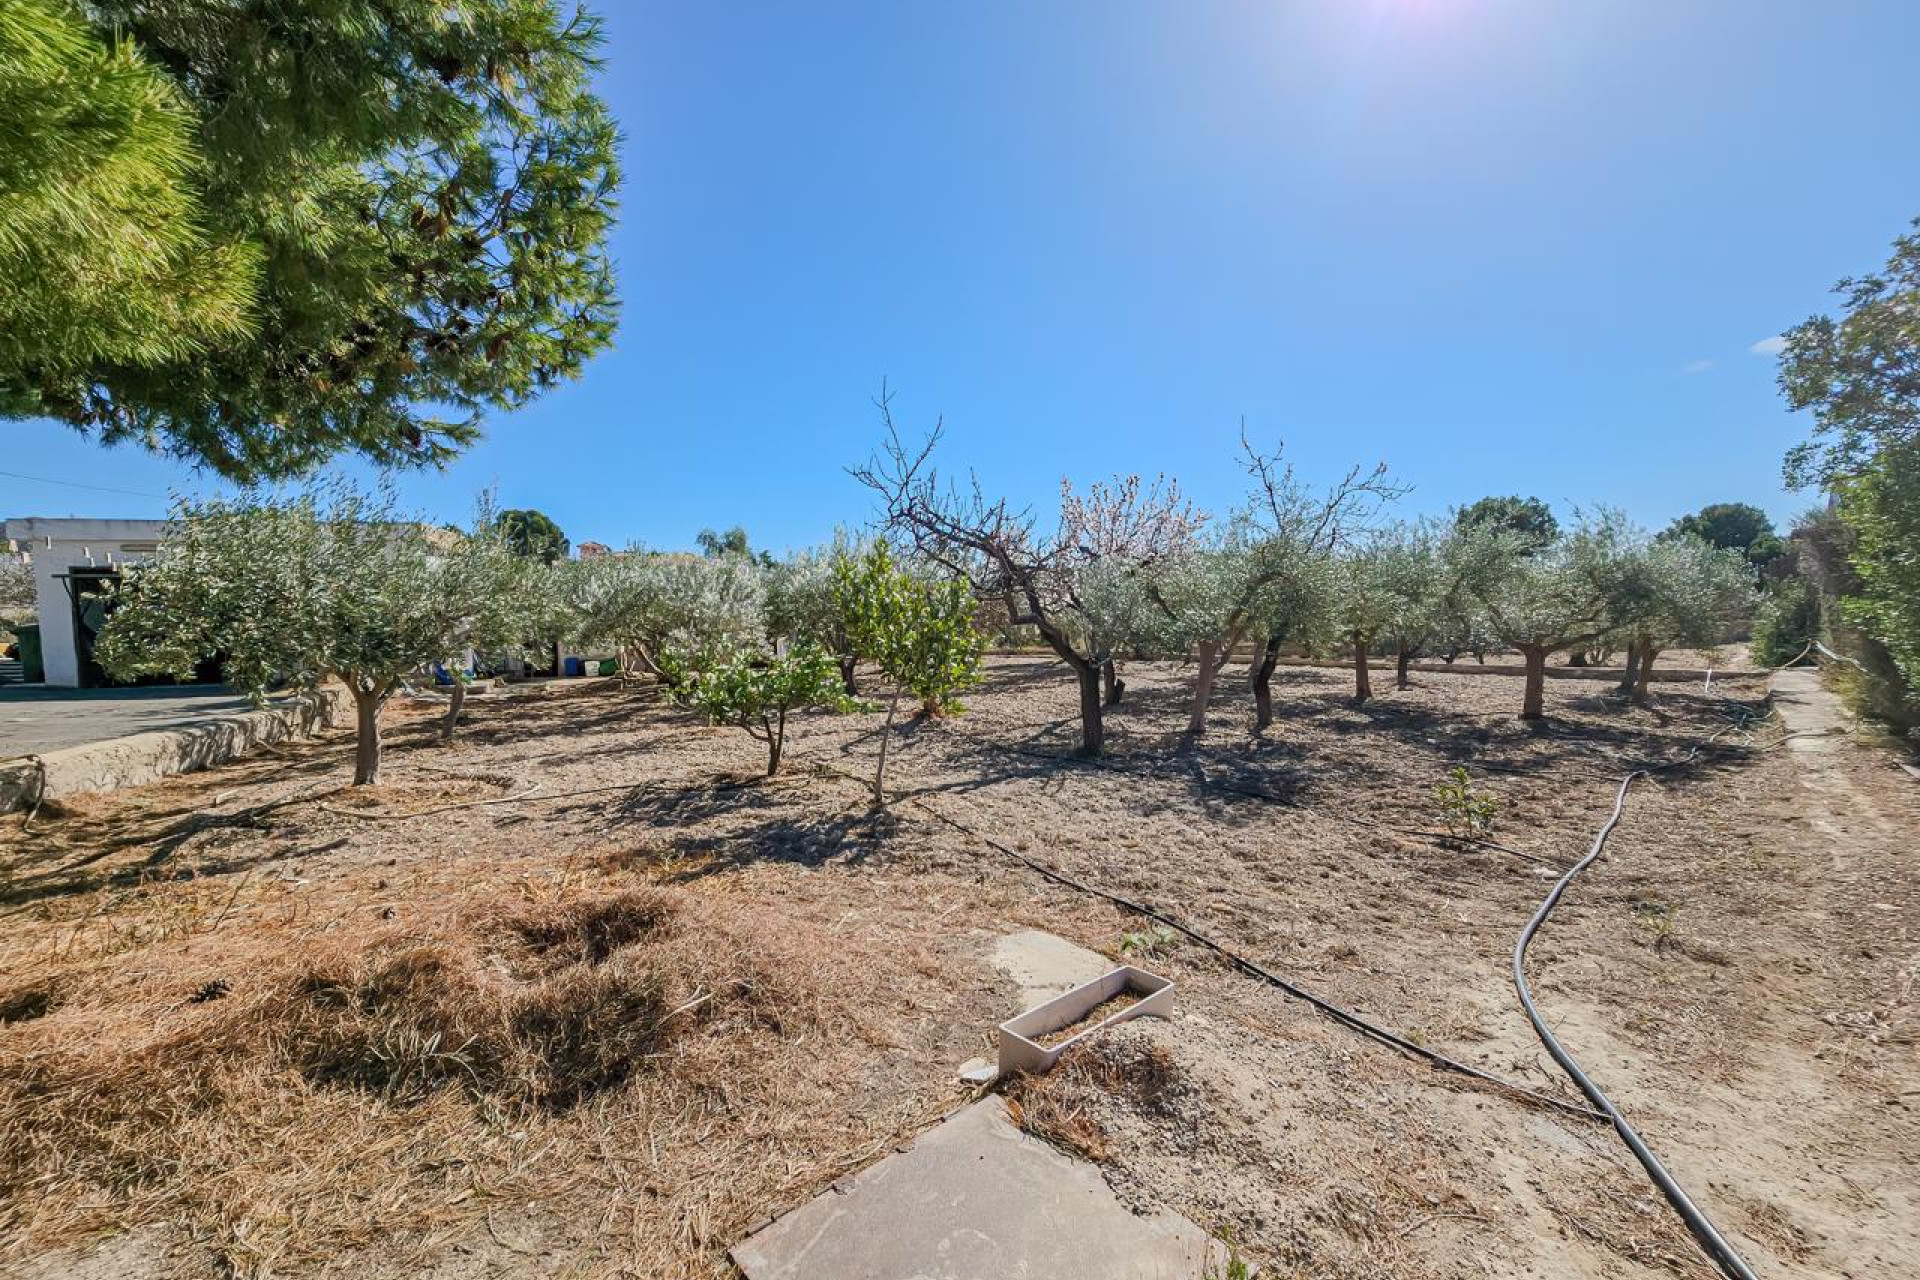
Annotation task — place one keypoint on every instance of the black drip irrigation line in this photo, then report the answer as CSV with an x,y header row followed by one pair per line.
x,y
1343,1016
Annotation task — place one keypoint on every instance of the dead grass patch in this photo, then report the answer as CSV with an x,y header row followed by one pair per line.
x,y
382,1087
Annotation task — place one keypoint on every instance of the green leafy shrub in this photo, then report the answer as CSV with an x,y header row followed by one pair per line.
x,y
1464,810
758,693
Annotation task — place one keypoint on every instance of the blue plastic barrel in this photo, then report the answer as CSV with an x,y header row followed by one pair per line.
x,y
574,667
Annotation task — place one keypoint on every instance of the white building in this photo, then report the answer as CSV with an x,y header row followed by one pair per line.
x,y
74,563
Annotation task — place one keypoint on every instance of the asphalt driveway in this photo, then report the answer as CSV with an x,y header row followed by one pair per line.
x,y
34,719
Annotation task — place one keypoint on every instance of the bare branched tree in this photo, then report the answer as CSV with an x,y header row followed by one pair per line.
x,y
997,551
1297,528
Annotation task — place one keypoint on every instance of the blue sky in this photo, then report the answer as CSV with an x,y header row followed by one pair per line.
x,y
1506,245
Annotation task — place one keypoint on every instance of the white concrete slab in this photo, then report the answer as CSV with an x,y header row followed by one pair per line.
x,y
1045,965
976,1199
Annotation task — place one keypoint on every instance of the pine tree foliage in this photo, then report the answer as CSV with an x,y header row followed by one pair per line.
x,y
105,254
428,187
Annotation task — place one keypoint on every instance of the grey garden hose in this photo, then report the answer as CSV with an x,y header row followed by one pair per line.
x,y
1724,1254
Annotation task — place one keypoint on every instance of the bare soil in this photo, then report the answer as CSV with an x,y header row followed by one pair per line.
x,y
209,1064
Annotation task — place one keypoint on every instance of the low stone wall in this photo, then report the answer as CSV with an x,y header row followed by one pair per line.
x,y
145,757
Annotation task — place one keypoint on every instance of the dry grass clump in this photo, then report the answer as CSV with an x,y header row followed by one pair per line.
x,y
1061,1105
357,1091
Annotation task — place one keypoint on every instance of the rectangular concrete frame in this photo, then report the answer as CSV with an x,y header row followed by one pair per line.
x,y
1018,1052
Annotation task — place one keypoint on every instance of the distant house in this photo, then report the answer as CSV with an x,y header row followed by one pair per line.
x,y
76,564
593,550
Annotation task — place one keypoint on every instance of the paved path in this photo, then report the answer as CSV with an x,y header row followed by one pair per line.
x,y
35,719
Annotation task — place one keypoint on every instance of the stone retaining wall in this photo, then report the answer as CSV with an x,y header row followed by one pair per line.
x,y
145,757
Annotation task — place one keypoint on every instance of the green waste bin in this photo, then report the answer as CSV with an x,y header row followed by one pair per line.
x,y
609,666
33,669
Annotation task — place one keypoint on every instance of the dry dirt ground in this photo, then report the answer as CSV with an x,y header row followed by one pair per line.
x,y
249,1032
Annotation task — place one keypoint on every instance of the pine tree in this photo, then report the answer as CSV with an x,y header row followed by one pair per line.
x,y
429,188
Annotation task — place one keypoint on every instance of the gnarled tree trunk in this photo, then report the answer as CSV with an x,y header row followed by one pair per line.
x,y
1362,682
848,674
1402,680
1263,680
1116,688
1533,704
1642,695
1210,664
1631,678
456,699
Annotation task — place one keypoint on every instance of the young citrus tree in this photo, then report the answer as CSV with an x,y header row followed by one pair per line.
x,y
803,603
920,633
756,692
326,586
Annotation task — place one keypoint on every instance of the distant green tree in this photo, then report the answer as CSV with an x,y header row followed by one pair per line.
x,y
1531,519
1739,526
104,247
532,534
428,189
732,542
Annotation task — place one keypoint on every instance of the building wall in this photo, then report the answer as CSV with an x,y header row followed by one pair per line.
x,y
60,545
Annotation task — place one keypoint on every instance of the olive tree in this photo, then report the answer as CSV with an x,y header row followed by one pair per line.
x,y
1411,576
1681,592
1540,599
920,632
1297,533
665,613
329,585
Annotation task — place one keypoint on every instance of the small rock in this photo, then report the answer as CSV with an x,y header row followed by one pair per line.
x,y
978,1071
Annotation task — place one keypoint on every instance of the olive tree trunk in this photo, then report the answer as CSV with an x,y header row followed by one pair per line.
x,y
1263,681
848,680
1115,687
366,749
1631,679
1402,680
456,699
1533,704
1362,682
1642,695
1203,685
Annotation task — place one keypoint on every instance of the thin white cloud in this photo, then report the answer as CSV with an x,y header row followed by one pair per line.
x,y
1698,366
1770,346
